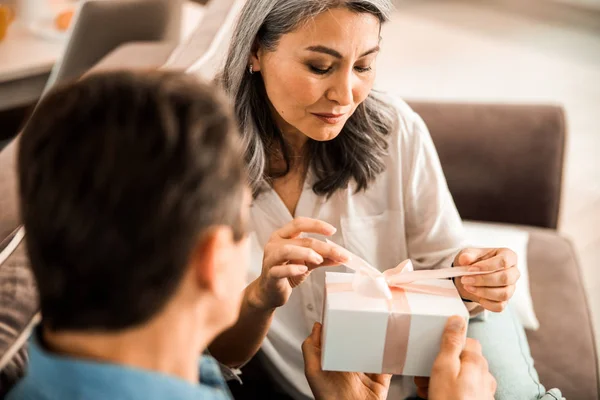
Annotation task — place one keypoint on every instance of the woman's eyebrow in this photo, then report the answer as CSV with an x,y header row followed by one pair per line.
x,y
335,53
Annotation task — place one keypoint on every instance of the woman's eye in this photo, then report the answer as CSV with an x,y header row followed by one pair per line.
x,y
319,71
362,69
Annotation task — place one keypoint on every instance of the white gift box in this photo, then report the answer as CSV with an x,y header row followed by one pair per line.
x,y
375,335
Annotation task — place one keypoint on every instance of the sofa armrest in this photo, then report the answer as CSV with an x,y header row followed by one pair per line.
x,y
9,207
564,346
503,163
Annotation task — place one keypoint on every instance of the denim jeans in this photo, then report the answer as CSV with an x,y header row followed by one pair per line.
x,y
505,346
506,349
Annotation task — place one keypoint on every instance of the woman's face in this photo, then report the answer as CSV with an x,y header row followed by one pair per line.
x,y
321,72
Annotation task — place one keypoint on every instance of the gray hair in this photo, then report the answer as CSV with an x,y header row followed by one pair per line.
x,y
357,153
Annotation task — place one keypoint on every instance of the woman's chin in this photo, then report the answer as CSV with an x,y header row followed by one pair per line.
x,y
324,134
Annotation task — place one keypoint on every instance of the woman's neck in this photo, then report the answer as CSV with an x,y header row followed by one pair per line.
x,y
289,186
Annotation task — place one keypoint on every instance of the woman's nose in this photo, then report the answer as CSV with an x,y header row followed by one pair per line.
x,y
341,90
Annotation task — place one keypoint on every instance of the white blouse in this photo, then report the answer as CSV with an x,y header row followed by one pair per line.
x,y
407,212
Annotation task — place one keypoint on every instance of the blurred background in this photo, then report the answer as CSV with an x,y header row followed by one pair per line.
x,y
540,51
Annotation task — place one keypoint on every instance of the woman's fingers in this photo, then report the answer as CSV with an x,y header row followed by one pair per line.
x,y
495,306
287,271
504,258
504,277
326,250
277,253
492,293
304,225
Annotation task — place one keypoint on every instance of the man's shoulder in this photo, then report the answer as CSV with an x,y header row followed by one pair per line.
x,y
52,377
30,389
27,390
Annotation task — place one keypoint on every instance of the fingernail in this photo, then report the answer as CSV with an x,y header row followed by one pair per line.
x,y
456,324
474,269
303,268
470,289
340,256
332,230
318,260
467,280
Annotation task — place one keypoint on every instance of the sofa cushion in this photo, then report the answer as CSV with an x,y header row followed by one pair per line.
x,y
9,214
481,234
18,310
563,348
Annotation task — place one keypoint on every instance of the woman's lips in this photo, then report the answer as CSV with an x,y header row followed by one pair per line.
x,y
331,119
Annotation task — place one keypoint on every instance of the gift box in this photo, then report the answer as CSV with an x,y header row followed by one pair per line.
x,y
375,325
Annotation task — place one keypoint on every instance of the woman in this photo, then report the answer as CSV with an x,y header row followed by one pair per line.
x,y
329,156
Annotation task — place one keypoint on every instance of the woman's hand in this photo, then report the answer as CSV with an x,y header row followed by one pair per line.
x,y
493,290
289,258
327,385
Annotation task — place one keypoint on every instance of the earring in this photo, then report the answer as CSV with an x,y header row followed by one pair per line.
x,y
251,69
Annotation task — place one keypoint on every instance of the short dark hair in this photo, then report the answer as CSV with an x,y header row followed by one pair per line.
x,y
120,174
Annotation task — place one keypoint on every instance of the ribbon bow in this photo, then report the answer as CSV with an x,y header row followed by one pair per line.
x,y
371,282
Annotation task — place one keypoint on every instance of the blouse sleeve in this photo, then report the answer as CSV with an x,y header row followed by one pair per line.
x,y
434,230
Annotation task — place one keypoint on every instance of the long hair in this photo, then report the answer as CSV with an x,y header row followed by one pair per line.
x,y
357,153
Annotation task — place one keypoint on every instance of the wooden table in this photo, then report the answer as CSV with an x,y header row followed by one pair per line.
x,y
27,59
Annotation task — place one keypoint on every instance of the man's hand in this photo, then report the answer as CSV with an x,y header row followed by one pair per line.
x,y
494,290
460,371
422,384
289,258
327,385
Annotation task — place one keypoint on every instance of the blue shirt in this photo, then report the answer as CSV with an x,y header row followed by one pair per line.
x,y
53,377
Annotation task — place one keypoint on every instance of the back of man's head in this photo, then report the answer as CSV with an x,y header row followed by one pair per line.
x,y
120,175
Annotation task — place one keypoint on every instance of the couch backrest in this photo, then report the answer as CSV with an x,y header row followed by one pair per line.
x,y
503,163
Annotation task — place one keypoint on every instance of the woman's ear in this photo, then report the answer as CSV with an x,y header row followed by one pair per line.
x,y
255,56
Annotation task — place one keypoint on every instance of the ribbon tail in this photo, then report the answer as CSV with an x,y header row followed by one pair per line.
x,y
444,273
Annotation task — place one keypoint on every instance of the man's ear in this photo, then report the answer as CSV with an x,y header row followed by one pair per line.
x,y
210,258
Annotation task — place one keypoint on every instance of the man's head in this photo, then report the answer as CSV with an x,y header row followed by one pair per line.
x,y
133,198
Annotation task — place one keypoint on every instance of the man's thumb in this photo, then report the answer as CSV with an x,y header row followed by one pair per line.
x,y
453,340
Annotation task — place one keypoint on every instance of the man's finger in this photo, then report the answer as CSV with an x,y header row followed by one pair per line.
x,y
473,345
453,342
422,384
382,379
311,350
422,381
453,339
316,334
305,225
423,393
473,360
493,383
504,277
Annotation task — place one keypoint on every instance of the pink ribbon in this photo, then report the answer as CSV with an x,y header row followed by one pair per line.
x,y
392,285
